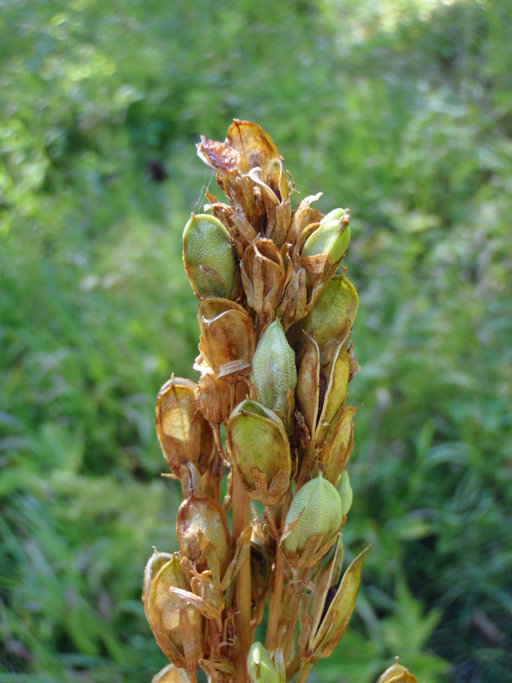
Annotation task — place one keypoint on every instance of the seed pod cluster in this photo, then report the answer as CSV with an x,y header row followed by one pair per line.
x,y
260,443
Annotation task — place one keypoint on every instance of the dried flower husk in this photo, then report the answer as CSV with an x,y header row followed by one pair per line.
x,y
261,569
263,273
209,257
315,605
339,444
177,627
397,673
273,371
312,523
260,451
321,389
303,216
171,674
227,337
334,622
331,318
184,434
203,535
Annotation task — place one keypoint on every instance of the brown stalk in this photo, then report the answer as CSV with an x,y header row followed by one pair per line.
x,y
241,509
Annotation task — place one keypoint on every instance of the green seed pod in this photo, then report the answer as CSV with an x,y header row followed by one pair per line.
x,y
312,522
259,665
273,369
331,318
345,492
208,256
260,450
331,237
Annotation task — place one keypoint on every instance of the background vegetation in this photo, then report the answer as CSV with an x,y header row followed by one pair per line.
x,y
401,111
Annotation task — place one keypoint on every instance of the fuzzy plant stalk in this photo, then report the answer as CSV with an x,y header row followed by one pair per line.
x,y
260,443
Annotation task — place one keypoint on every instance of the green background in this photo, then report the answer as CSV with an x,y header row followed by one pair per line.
x,y
400,110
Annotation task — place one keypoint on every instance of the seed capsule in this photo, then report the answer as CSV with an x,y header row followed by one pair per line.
x,y
331,237
273,369
184,435
331,318
177,628
203,535
260,451
312,522
227,337
208,256
259,665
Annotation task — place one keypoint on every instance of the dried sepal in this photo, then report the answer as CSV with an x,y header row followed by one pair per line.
x,y
303,216
171,674
260,451
334,378
184,435
339,444
203,535
177,628
227,337
308,384
263,273
397,673
336,618
261,571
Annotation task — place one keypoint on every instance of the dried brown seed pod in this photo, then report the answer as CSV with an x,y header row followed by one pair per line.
x,y
227,337
184,435
203,535
177,627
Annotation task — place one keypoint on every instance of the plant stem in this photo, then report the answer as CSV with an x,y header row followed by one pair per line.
x,y
243,582
275,602
304,672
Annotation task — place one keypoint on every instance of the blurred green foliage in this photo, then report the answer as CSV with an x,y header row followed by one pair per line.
x,y
400,110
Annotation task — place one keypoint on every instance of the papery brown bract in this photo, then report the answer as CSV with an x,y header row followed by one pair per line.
x,y
263,273
334,623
